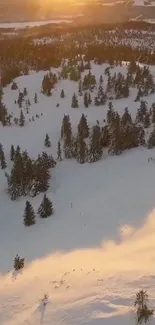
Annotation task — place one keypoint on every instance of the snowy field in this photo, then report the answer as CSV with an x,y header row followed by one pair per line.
x,y
98,249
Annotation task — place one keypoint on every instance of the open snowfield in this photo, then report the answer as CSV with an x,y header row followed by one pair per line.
x,y
98,249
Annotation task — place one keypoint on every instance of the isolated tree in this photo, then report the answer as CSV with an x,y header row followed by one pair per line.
x,y
143,312
74,101
18,263
62,95
29,215
35,99
47,142
21,119
59,154
25,92
46,208
12,153
14,86
101,79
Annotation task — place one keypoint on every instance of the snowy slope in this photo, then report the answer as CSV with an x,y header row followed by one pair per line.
x,y
93,255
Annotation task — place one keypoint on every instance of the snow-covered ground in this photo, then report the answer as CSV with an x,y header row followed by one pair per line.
x,y
98,249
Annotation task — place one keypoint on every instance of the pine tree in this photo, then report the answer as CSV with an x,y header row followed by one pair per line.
x,y
46,208
143,312
147,120
101,79
151,140
95,150
62,95
18,263
17,152
89,99
3,161
153,112
110,113
82,151
59,154
1,150
126,118
86,103
12,153
14,86
35,98
47,142
80,87
25,92
83,129
66,134
21,119
29,215
74,101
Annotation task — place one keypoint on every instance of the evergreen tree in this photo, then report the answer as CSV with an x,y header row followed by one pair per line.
x,y
143,312
126,118
59,154
66,134
12,153
46,208
95,150
153,112
89,99
82,151
86,103
110,113
147,120
47,142
29,215
151,140
25,92
115,145
14,86
18,263
17,152
141,136
74,101
83,129
3,161
101,79
62,95
35,99
1,150
21,119
80,87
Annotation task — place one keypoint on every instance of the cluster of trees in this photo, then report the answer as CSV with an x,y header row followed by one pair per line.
x,y
20,55
28,176
116,86
117,133
48,82
23,103
45,210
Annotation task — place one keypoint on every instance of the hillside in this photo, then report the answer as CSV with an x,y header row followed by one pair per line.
x,y
98,248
